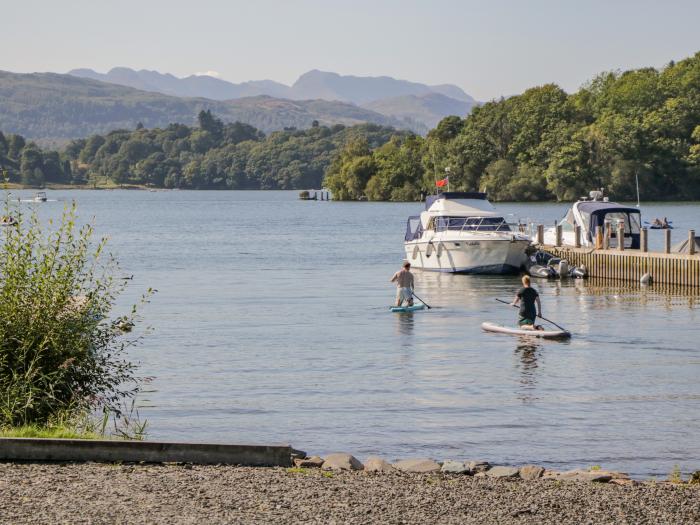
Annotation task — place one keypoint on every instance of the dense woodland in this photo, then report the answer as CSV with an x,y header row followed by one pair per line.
x,y
213,155
547,144
544,144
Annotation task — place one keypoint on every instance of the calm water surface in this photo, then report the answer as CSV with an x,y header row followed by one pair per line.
x,y
271,325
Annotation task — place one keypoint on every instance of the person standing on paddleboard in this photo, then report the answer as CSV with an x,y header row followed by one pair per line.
x,y
528,297
404,285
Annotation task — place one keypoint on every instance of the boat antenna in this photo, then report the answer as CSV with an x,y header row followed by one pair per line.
x,y
447,176
636,180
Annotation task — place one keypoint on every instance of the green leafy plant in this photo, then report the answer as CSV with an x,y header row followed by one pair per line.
x,y
675,475
62,355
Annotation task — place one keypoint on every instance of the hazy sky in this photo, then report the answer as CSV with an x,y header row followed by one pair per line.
x,y
488,47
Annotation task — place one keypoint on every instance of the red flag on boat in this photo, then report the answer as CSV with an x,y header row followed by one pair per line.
x,y
441,183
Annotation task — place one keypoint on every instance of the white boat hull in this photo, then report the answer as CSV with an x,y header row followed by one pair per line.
x,y
501,255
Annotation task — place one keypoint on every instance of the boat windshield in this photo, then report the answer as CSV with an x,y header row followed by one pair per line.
x,y
414,229
480,224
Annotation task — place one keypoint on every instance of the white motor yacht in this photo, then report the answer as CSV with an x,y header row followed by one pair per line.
x,y
596,210
461,232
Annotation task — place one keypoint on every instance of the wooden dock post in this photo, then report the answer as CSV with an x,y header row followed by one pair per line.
x,y
606,236
540,234
577,236
667,241
691,242
644,240
598,238
558,239
621,237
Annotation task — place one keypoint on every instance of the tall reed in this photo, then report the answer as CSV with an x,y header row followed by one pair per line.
x,y
61,354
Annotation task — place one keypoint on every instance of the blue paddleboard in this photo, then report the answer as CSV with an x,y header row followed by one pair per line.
x,y
413,308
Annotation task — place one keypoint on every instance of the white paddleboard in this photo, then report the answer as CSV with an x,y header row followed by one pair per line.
x,y
547,334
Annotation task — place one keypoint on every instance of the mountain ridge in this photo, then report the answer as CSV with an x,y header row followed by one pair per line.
x,y
312,85
54,108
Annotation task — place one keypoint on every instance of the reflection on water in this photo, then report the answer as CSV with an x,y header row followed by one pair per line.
x,y
527,352
272,325
405,323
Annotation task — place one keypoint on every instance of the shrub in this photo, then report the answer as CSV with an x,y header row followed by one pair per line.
x,y
61,355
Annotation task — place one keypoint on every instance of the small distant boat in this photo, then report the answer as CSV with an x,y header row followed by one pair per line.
x,y
545,334
660,224
400,309
7,220
40,196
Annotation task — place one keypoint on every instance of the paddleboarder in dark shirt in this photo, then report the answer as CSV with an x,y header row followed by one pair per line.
x,y
528,297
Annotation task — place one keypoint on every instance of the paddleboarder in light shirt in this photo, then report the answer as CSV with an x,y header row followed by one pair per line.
x,y
404,285
527,296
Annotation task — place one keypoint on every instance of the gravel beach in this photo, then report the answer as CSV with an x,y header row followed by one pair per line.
x,y
104,493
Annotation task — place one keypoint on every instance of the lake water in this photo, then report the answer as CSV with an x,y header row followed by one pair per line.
x,y
271,325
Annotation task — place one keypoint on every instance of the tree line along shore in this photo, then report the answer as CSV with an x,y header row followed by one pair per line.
x,y
621,127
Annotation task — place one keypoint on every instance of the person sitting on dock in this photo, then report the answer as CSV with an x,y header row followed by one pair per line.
x,y
527,296
404,285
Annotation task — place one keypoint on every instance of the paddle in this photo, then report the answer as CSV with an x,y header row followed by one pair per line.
x,y
421,300
543,318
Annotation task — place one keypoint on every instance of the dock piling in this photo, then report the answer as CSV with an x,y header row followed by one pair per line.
x,y
667,241
621,237
644,240
577,236
558,239
540,234
691,242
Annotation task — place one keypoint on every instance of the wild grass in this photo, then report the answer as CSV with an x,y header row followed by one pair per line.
x,y
62,351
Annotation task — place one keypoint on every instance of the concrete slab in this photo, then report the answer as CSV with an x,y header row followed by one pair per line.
x,y
110,451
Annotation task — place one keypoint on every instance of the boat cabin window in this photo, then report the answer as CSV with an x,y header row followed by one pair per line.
x,y
632,221
469,224
414,229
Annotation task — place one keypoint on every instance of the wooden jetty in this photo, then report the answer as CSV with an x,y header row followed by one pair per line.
x,y
602,261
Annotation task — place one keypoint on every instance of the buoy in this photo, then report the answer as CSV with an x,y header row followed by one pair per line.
x,y
439,249
563,268
429,249
415,251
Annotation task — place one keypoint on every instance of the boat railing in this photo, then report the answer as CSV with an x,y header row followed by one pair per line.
x,y
478,224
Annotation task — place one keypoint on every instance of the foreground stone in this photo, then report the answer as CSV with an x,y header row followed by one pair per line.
x,y
417,466
454,467
503,472
377,464
597,476
530,472
478,466
341,461
312,462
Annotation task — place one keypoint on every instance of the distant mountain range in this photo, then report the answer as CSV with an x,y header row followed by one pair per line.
x,y
53,108
420,106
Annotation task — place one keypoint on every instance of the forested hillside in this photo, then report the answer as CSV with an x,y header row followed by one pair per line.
x,y
52,109
547,144
213,155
